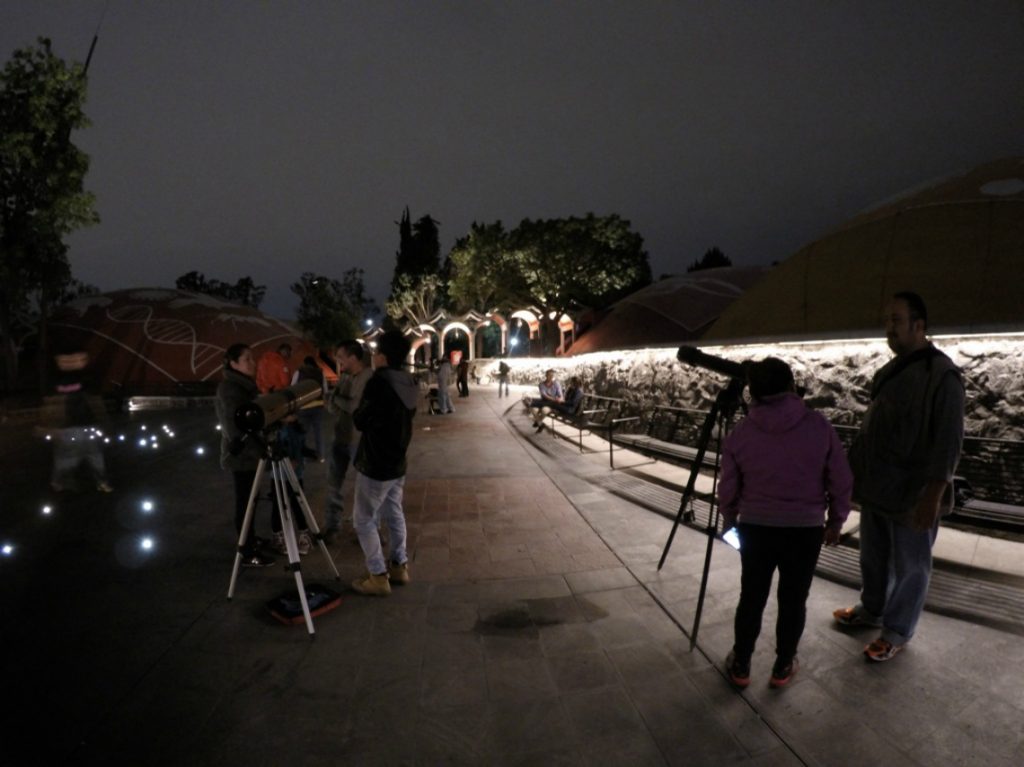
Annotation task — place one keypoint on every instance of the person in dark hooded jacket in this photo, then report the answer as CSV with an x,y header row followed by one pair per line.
x,y
786,481
384,416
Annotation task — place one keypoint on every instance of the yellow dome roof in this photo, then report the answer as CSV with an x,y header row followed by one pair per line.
x,y
958,242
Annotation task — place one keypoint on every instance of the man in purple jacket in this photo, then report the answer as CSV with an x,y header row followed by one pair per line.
x,y
786,482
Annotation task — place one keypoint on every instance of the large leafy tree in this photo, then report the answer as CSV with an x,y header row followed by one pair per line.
x,y
557,266
330,309
42,198
483,274
244,291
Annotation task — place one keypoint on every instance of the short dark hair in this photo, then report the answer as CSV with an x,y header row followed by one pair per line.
x,y
768,377
285,347
394,346
915,305
234,353
352,348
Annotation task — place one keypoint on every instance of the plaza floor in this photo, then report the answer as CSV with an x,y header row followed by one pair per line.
x,y
536,630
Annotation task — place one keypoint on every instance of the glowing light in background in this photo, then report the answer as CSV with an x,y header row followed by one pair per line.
x,y
142,443
200,450
7,549
147,506
147,544
47,510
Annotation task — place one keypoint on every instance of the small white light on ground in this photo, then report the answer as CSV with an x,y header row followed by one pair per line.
x,y
142,443
147,505
143,427
47,509
7,549
120,438
155,445
200,450
217,427
146,544
48,438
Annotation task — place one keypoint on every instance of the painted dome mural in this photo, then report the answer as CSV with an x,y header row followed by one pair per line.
x,y
154,339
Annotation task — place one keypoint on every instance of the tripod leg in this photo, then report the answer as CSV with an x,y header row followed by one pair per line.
x,y
691,484
307,512
246,524
711,530
288,530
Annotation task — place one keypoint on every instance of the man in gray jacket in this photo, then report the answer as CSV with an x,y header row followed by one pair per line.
x,y
353,374
903,460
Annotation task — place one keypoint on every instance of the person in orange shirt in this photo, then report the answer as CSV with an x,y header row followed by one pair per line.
x,y
274,370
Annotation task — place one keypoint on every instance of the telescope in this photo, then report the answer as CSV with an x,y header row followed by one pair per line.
x,y
270,408
691,355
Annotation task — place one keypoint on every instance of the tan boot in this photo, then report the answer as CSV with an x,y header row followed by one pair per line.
x,y
399,574
372,585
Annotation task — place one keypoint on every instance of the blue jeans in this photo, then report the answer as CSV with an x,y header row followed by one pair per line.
x,y
341,457
376,502
503,382
444,400
895,566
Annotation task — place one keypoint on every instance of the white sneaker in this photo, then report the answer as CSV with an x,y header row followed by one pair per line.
x,y
305,543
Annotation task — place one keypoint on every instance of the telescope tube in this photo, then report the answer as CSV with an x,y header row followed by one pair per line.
x,y
691,355
270,408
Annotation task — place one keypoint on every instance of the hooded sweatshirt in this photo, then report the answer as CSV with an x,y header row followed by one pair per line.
x,y
384,417
784,466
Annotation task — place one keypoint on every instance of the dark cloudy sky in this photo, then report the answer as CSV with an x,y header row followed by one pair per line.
x,y
272,138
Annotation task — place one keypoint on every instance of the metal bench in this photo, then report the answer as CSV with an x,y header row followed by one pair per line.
x,y
667,434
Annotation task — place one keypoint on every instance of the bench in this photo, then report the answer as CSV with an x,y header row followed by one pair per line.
x,y
596,414
667,434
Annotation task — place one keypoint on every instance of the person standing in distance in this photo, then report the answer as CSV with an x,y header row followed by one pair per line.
x,y
444,380
353,374
384,416
903,460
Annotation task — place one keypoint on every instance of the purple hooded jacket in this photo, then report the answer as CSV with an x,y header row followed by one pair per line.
x,y
784,466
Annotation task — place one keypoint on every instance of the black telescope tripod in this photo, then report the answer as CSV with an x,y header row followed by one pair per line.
x,y
283,478
722,412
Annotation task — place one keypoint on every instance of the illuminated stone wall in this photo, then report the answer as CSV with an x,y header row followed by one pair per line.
x,y
836,376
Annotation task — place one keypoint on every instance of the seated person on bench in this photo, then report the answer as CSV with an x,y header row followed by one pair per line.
x,y
567,402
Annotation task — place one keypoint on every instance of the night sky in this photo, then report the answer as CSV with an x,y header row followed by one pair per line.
x,y
268,139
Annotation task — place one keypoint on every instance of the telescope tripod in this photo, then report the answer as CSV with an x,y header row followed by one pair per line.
x,y
283,477
722,411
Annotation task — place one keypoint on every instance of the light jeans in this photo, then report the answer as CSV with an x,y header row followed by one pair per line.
x,y
338,463
896,566
377,502
72,446
444,400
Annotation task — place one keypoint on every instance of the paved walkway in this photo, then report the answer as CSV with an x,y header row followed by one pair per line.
x,y
536,630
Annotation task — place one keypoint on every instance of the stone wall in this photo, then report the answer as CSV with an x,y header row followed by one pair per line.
x,y
836,376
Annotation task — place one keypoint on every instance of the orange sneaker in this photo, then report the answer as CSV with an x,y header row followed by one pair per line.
x,y
881,650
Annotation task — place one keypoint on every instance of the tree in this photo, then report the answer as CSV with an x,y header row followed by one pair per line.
x,y
42,198
418,287
419,248
712,259
244,291
414,300
482,271
330,310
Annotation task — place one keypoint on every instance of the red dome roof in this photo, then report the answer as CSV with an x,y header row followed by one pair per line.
x,y
155,339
